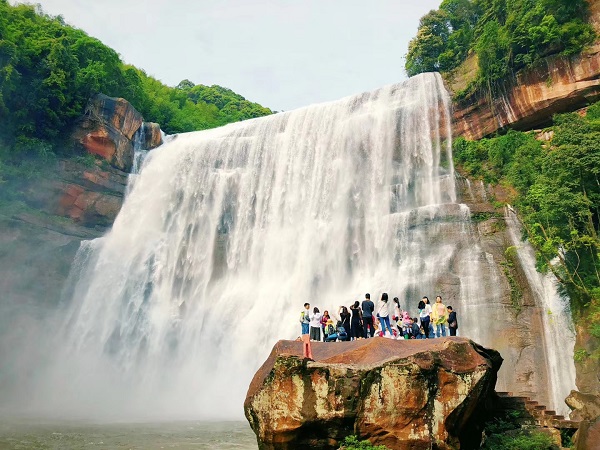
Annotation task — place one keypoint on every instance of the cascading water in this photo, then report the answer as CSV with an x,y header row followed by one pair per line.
x,y
227,232
559,333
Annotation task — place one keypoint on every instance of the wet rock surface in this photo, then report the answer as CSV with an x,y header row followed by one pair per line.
x,y
403,394
108,130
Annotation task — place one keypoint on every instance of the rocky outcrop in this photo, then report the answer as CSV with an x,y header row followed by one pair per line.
x,y
152,135
556,84
586,408
89,194
529,99
108,129
403,394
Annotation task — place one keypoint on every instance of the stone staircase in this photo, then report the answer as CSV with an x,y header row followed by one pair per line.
x,y
534,415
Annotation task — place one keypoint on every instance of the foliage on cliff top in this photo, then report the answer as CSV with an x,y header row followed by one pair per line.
x,y
506,35
557,186
49,70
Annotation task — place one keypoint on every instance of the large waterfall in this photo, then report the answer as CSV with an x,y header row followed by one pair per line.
x,y
226,233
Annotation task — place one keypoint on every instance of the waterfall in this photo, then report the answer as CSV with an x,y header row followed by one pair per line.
x,y
559,333
227,232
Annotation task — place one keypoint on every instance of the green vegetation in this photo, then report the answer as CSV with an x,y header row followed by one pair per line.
x,y
520,440
352,443
506,35
508,267
557,193
49,70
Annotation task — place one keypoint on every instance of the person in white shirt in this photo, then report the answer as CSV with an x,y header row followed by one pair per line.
x,y
315,325
383,314
425,315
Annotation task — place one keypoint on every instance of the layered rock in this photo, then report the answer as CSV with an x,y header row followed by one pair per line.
x,y
556,84
529,99
108,128
403,394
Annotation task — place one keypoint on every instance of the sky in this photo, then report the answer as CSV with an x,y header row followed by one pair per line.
x,y
283,54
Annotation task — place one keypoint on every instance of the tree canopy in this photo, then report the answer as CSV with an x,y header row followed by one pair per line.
x,y
506,35
49,70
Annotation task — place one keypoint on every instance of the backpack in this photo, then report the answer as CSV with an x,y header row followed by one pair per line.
x,y
330,329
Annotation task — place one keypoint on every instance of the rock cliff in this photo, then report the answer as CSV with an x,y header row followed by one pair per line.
x,y
45,214
403,394
109,128
532,96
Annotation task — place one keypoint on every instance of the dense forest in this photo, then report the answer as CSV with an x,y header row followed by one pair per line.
x,y
556,189
504,35
49,70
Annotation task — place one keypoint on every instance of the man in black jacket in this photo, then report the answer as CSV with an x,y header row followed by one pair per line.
x,y
452,321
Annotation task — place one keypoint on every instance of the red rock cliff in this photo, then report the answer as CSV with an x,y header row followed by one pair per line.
x,y
556,84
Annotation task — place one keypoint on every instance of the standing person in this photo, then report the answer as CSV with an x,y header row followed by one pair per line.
x,y
345,319
367,313
397,315
324,320
305,321
424,314
383,314
452,321
315,325
439,316
356,329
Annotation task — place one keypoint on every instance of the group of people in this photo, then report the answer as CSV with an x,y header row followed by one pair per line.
x,y
364,320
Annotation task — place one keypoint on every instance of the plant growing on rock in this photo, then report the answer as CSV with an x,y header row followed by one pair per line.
x,y
353,443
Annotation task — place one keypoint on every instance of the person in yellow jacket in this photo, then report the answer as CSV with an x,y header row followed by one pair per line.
x,y
439,317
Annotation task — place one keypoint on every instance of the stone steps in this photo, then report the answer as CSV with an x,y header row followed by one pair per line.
x,y
534,412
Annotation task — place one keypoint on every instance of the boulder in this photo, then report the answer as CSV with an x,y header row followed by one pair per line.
x,y
107,129
152,135
588,435
415,394
584,406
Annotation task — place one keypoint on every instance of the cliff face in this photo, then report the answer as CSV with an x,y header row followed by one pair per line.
x,y
403,394
109,128
554,85
44,216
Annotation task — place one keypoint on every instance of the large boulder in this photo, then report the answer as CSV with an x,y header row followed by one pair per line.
x,y
413,395
109,129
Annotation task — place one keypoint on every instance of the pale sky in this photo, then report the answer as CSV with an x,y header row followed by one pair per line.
x,y
282,54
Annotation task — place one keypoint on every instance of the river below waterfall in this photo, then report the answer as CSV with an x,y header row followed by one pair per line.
x,y
80,435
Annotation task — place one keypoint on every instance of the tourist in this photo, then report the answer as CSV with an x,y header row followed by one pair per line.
x,y
414,329
356,323
452,321
305,321
329,330
315,325
367,313
424,314
324,320
439,316
383,315
344,318
397,316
